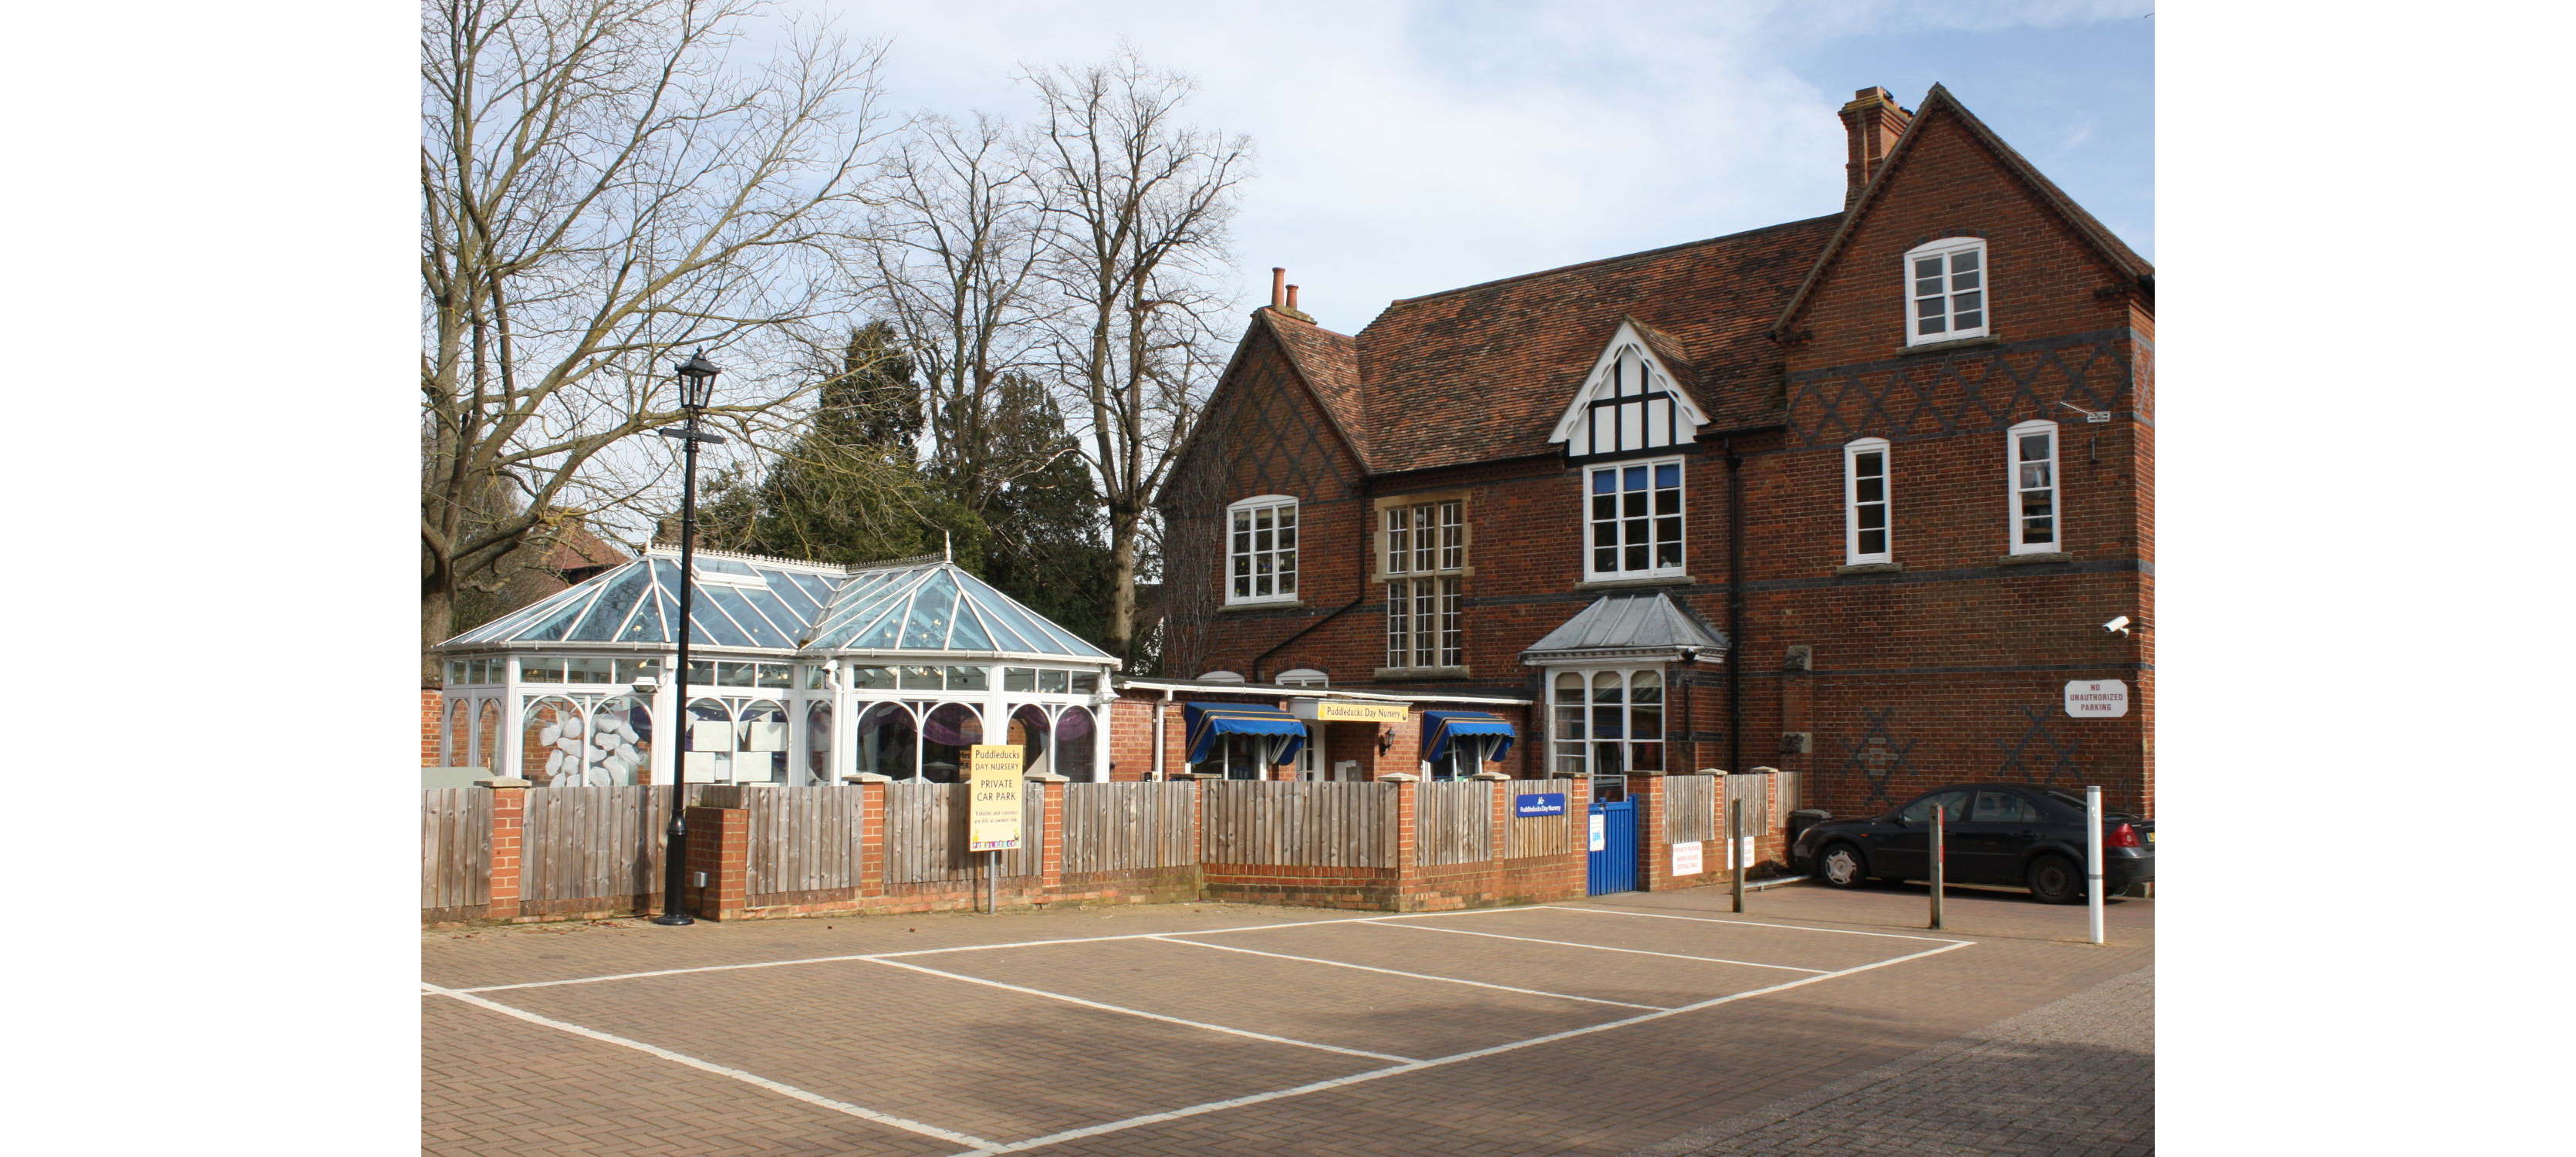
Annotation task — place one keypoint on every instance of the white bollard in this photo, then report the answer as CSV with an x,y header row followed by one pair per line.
x,y
2093,855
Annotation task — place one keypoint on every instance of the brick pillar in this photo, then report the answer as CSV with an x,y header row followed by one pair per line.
x,y
1578,810
509,820
1408,867
872,834
1654,834
1498,816
1050,826
720,846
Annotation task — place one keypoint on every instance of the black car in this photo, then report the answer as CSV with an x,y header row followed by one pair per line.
x,y
1997,833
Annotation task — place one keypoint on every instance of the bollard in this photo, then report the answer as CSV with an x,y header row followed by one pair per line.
x,y
1735,846
1940,854
2093,856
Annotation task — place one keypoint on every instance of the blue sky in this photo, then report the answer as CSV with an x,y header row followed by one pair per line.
x,y
1405,148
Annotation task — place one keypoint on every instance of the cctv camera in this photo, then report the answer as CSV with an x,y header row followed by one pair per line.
x,y
2118,626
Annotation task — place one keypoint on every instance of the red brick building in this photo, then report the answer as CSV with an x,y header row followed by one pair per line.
x,y
1852,496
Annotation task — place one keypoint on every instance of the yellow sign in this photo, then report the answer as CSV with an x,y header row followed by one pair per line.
x,y
993,796
1350,711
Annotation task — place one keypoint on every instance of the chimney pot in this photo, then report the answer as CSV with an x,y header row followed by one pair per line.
x,y
1278,278
1292,297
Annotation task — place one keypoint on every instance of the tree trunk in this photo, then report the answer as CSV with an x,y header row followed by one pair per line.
x,y
437,617
1124,536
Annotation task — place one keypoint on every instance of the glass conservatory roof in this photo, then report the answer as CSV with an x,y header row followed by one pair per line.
x,y
774,604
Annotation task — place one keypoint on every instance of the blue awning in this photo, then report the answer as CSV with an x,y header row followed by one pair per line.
x,y
1205,721
1439,727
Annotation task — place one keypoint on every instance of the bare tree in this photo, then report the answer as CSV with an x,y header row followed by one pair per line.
x,y
954,269
601,190
1139,204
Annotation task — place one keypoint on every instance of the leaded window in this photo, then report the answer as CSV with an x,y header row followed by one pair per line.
x,y
1946,288
1635,519
1425,560
1261,550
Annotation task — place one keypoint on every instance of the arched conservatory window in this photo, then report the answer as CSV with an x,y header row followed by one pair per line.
x,y
1074,751
487,735
888,742
818,742
709,755
760,752
550,751
946,733
457,735
1035,735
620,742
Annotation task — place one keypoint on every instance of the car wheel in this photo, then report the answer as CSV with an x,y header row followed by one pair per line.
x,y
2055,880
1841,866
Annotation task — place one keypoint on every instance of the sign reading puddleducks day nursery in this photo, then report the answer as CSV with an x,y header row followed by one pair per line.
x,y
1349,711
993,796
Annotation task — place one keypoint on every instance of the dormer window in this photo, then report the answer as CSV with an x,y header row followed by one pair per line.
x,y
1945,290
1261,550
1628,404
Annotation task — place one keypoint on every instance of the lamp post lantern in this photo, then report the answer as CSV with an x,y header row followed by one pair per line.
x,y
697,377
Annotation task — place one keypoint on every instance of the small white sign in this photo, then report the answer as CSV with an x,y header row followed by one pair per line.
x,y
1600,834
710,735
764,736
1686,859
1739,854
2097,699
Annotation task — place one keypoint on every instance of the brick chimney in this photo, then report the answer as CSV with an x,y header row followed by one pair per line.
x,y
1872,122
1283,296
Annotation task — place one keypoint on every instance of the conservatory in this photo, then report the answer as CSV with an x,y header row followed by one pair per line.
x,y
800,673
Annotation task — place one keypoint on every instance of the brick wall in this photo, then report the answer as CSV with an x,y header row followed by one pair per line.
x,y
433,706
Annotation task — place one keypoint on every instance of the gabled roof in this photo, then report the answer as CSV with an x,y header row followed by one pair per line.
x,y
747,601
1939,102
1330,364
1662,353
1483,372
1616,624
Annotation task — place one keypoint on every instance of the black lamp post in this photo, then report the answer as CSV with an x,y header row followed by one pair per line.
x,y
697,386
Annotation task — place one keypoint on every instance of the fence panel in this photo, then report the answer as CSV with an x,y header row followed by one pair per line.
x,y
1785,796
926,834
804,839
1539,835
1690,808
1320,824
1114,826
1453,822
1755,792
586,842
455,847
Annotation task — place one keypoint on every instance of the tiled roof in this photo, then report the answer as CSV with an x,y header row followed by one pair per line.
x,y
1484,372
1330,364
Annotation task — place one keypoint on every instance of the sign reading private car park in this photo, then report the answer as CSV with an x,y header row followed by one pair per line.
x,y
993,796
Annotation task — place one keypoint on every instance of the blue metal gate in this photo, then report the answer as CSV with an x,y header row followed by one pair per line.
x,y
1613,835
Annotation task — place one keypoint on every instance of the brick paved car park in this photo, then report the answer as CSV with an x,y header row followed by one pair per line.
x,y
1601,1026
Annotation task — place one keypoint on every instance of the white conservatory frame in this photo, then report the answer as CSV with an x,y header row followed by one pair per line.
x,y
506,677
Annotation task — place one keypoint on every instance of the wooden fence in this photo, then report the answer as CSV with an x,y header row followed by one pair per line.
x,y
1115,826
1755,792
1690,807
1453,822
596,842
455,848
926,834
1539,835
803,839
1321,824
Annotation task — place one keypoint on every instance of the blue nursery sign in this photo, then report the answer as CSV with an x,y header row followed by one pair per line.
x,y
1550,804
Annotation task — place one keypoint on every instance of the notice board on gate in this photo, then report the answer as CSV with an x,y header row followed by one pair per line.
x,y
993,797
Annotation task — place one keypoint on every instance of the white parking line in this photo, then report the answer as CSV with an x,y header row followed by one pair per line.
x,y
784,1090
1417,1066
1602,947
1147,1015
974,948
1414,975
1747,923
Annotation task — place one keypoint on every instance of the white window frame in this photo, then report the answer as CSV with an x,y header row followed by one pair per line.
x,y
2014,490
1981,283
1853,555
1681,565
1236,561
1563,747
